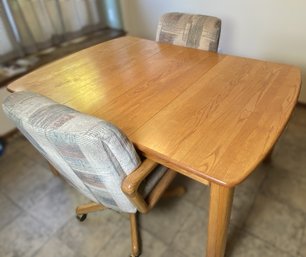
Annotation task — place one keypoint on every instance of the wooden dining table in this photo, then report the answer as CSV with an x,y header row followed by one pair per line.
x,y
209,116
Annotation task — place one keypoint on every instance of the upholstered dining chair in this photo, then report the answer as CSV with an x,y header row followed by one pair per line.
x,y
189,30
93,155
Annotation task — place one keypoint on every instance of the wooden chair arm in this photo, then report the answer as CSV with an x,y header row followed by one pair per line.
x,y
132,182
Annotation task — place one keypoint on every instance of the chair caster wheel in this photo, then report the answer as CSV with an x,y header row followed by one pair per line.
x,y
82,217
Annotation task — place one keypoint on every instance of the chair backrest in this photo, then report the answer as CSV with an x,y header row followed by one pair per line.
x,y
92,154
195,31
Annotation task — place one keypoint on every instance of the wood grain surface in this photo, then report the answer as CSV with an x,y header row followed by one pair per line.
x,y
211,117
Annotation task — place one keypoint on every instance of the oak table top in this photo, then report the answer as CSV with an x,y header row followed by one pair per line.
x,y
209,116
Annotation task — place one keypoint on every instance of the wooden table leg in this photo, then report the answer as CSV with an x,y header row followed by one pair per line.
x,y
221,199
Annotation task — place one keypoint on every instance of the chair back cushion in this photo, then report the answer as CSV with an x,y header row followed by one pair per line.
x,y
195,31
92,154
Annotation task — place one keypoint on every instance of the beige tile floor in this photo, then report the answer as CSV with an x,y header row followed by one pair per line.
x,y
268,217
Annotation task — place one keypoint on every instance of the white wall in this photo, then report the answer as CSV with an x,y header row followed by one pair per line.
x,y
263,29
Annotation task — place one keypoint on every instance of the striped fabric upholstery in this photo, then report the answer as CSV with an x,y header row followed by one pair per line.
x,y
92,154
195,31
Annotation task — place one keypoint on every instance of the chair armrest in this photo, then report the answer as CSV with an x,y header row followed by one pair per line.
x,y
132,182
